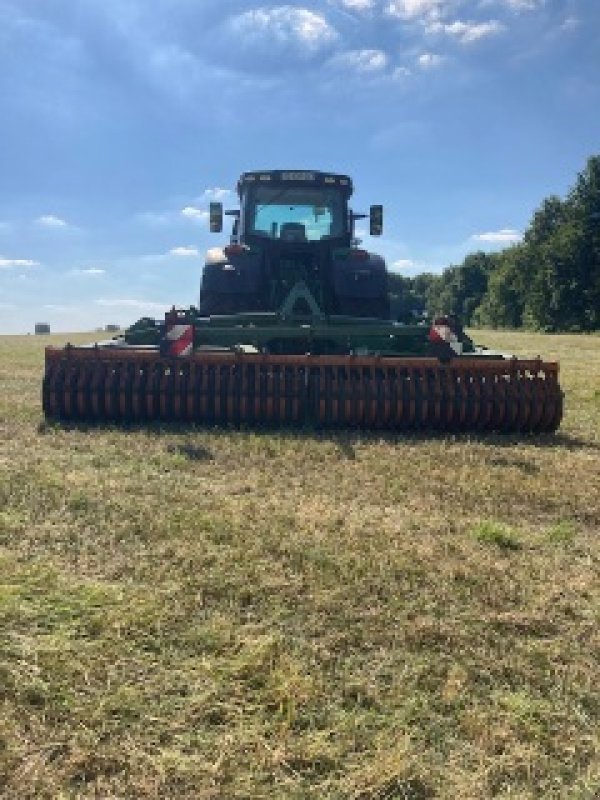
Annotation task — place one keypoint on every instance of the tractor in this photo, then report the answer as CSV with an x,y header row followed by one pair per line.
x,y
293,327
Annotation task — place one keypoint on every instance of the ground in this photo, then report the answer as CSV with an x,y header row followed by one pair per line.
x,y
194,613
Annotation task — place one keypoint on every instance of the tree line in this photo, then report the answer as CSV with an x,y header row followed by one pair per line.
x,y
549,281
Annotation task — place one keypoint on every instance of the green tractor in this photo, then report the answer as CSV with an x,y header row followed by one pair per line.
x,y
294,229
293,326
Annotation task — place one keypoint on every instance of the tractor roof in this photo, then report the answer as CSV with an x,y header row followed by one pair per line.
x,y
295,178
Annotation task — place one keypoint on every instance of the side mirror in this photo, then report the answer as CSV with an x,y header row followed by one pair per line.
x,y
216,217
376,220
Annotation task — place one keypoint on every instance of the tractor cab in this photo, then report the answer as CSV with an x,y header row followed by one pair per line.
x,y
294,232
294,207
294,212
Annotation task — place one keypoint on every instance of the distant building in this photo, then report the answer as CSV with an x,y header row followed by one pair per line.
x,y
42,328
112,328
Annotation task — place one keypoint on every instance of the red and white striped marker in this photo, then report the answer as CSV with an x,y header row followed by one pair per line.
x,y
441,332
180,339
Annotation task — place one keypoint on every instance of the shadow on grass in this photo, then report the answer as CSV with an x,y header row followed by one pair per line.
x,y
193,452
345,439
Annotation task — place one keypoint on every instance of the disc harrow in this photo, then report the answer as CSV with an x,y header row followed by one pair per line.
x,y
385,393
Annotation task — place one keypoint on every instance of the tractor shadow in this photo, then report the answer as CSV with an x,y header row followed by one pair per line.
x,y
502,444
346,440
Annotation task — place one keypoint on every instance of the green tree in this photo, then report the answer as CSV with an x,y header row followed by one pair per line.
x,y
502,305
551,281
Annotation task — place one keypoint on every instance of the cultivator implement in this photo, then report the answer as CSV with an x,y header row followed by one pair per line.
x,y
385,393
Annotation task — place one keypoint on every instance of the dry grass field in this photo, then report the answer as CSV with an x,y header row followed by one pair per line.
x,y
195,613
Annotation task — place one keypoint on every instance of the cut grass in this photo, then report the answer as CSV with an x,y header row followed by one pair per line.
x,y
199,613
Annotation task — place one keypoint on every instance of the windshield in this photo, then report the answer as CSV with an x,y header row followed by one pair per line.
x,y
296,214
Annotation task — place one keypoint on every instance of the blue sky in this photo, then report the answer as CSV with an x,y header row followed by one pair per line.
x,y
122,119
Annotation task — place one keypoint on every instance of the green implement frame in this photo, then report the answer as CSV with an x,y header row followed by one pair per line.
x,y
279,333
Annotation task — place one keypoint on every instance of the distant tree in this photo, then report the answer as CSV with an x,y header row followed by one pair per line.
x,y
584,199
550,281
423,283
564,239
546,221
460,289
409,296
502,305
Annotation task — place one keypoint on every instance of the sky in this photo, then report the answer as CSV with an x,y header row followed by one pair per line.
x,y
120,120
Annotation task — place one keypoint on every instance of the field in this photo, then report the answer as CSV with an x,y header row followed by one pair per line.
x,y
193,613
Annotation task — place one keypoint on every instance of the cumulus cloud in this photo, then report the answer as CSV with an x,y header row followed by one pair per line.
x,y
430,60
191,212
570,23
217,193
184,252
399,73
51,221
417,9
503,236
523,5
92,271
361,60
284,25
403,263
9,263
357,5
467,32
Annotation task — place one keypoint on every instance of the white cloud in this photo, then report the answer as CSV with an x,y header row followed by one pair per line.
x,y
88,271
357,5
418,9
184,252
403,263
361,60
570,23
8,263
285,24
7,306
517,6
217,193
430,60
191,212
129,302
467,32
51,221
524,5
504,236
401,72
